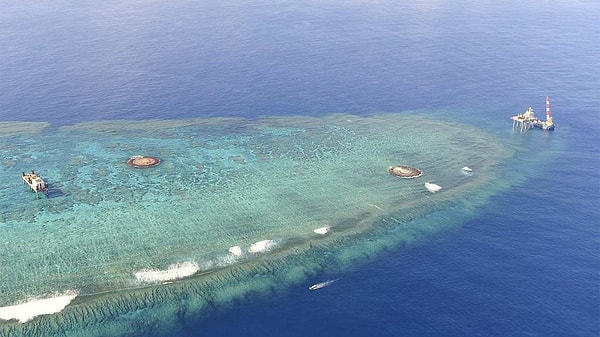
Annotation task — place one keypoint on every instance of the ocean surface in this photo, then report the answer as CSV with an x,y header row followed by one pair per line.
x,y
276,123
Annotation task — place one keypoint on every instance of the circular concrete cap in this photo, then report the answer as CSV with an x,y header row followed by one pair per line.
x,y
405,172
143,161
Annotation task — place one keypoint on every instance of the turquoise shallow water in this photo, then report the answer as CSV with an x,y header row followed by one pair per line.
x,y
108,230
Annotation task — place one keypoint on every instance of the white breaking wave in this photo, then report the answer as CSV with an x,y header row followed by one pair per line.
x,y
261,246
236,250
174,272
322,230
431,187
35,307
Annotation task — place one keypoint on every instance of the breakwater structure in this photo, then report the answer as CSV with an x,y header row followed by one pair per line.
x,y
527,119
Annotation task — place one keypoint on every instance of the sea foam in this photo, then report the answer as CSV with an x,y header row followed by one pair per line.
x,y
236,250
261,246
35,307
322,230
174,272
431,187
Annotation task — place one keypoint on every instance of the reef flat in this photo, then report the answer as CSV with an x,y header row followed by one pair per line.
x,y
236,206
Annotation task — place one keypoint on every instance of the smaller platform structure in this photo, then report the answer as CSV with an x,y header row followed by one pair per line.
x,y
35,182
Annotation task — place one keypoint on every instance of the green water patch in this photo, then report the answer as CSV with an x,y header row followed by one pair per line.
x,y
145,248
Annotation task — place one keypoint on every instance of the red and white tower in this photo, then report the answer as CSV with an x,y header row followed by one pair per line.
x,y
548,107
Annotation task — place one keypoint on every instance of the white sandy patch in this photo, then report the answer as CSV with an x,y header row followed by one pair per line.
x,y
174,272
431,187
36,307
261,246
322,230
236,250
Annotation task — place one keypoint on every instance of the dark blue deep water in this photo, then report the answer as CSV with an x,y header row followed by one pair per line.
x,y
528,264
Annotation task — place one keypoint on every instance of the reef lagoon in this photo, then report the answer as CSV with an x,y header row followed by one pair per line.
x,y
236,207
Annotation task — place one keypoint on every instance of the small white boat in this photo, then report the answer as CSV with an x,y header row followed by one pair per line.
x,y
320,285
467,169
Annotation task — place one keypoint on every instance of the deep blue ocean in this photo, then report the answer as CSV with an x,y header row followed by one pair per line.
x,y
528,263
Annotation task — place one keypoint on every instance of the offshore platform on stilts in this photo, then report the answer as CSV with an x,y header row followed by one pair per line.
x,y
35,182
527,119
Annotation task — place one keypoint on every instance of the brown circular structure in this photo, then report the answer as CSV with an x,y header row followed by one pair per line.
x,y
405,172
143,161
